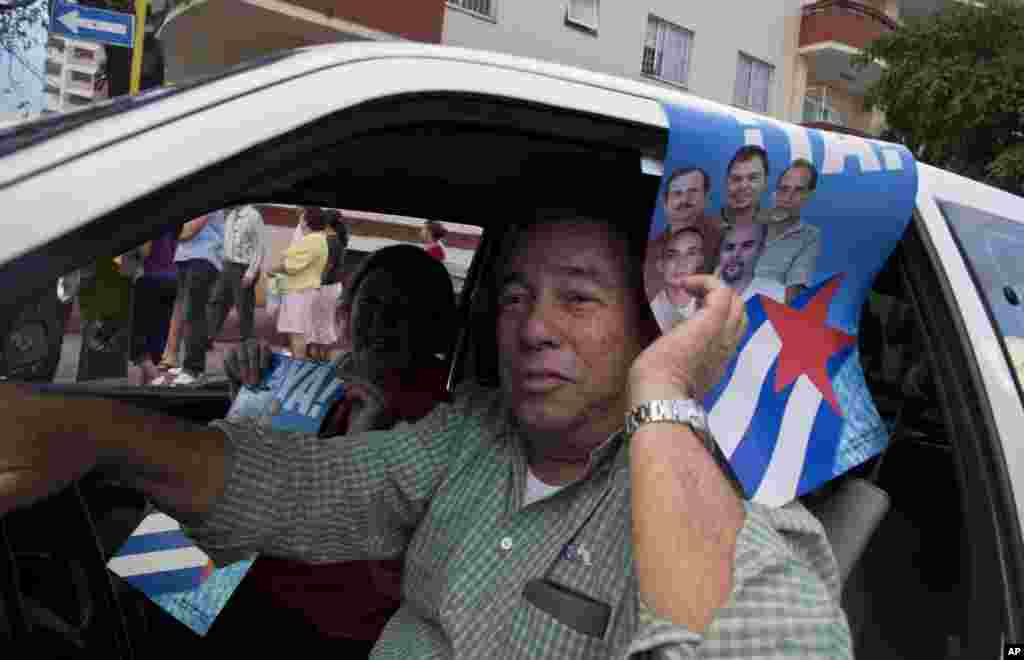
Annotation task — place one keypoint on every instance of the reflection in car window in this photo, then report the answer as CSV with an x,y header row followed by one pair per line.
x,y
28,133
993,246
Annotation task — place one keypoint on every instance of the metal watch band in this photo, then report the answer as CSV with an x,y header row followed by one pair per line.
x,y
690,413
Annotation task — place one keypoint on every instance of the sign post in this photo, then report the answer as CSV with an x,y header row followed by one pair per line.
x,y
140,32
91,24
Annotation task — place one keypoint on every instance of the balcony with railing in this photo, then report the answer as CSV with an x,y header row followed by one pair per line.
x,y
833,33
853,24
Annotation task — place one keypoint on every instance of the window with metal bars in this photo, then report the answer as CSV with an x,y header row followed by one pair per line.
x,y
482,7
667,51
753,83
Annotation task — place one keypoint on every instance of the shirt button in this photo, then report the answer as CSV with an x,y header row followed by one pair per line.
x,y
506,543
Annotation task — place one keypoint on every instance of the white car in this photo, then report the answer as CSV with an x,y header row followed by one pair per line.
x,y
480,138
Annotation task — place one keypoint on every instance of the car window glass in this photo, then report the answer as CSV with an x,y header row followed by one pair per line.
x,y
105,319
992,246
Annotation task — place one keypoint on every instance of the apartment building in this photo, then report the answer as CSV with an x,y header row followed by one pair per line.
x,y
790,59
827,89
730,51
206,36
75,74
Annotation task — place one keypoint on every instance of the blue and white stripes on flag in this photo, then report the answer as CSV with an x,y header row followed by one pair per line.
x,y
158,558
765,425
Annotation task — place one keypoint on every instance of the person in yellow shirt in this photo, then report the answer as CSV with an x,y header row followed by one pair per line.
x,y
303,266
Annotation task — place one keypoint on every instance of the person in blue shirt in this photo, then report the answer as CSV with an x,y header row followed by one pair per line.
x,y
199,259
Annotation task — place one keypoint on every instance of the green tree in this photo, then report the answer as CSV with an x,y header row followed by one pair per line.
x,y
952,89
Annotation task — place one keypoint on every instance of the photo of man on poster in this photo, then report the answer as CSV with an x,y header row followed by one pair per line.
x,y
746,179
791,246
684,203
682,256
742,249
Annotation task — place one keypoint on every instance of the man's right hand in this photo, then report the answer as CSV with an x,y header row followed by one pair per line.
x,y
36,459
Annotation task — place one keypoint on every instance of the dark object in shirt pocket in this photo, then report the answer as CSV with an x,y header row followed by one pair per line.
x,y
581,613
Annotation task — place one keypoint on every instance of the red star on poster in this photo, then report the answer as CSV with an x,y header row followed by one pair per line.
x,y
807,342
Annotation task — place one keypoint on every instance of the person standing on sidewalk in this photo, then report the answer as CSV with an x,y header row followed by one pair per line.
x,y
303,265
325,332
153,304
243,261
200,259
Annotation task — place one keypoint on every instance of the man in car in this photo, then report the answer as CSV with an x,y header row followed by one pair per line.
x,y
742,249
685,200
534,525
746,179
791,246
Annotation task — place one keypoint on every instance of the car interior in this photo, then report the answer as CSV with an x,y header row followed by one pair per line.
x,y
915,550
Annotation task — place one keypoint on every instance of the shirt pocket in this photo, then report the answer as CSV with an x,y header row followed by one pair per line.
x,y
534,632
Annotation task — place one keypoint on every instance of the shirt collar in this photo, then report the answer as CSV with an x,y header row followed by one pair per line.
x,y
795,229
729,221
607,454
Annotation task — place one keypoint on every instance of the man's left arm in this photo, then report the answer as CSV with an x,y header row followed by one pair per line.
x,y
707,562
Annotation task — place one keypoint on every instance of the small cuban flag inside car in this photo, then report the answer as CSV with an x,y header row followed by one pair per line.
x,y
158,558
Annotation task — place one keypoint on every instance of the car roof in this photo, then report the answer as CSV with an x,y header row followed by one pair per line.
x,y
69,135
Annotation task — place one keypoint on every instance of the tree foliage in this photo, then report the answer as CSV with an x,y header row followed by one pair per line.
x,y
952,89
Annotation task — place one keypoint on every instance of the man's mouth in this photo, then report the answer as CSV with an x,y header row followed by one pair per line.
x,y
538,382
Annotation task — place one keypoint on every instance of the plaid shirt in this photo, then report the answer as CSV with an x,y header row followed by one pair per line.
x,y
450,490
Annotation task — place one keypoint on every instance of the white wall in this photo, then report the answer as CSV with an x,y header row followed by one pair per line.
x,y
537,28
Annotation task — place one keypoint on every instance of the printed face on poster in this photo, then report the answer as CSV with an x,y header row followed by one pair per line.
x,y
799,222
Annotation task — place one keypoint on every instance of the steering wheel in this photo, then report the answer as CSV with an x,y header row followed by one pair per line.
x,y
58,547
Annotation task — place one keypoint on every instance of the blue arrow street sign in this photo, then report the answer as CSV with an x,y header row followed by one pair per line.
x,y
91,24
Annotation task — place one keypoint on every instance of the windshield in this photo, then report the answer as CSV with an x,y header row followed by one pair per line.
x,y
992,246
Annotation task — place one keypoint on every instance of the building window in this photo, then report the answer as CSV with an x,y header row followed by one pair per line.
x,y
753,83
667,49
55,43
82,78
53,68
583,13
52,89
482,7
818,108
85,54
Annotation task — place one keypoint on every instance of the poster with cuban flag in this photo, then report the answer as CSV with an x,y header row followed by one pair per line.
x,y
160,560
799,222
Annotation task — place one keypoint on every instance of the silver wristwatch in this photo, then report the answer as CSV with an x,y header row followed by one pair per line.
x,y
690,413
680,411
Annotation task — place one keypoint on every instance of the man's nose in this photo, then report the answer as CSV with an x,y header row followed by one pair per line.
x,y
539,328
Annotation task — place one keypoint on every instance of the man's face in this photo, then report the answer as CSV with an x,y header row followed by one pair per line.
x,y
685,200
793,192
568,330
745,184
684,255
741,248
